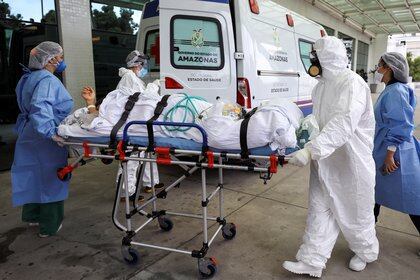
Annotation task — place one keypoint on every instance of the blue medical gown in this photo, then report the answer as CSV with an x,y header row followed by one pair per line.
x,y
43,102
394,114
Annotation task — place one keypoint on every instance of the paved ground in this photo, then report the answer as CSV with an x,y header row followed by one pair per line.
x,y
270,221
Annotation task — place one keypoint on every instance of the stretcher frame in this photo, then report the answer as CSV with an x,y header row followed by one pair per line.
x,y
207,159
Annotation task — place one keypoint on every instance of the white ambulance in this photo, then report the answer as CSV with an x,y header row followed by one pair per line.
x,y
244,51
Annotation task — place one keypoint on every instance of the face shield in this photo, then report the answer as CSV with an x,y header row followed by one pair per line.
x,y
144,69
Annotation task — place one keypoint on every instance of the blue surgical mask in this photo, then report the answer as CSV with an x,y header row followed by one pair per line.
x,y
142,73
61,66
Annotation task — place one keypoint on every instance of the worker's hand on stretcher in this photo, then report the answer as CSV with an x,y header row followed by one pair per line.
x,y
89,95
301,157
59,140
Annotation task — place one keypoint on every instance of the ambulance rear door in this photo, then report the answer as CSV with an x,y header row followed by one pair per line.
x,y
197,49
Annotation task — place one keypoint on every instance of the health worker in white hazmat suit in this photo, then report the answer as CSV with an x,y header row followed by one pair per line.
x,y
342,178
137,68
130,79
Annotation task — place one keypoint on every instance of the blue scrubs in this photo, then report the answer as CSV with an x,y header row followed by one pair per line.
x,y
44,103
394,114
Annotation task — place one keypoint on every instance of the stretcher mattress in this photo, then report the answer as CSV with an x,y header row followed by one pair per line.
x,y
176,143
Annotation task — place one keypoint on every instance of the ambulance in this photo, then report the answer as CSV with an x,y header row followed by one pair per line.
x,y
243,51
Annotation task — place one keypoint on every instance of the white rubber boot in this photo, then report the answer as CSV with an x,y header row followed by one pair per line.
x,y
357,264
303,268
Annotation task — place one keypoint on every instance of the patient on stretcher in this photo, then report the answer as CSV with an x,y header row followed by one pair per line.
x,y
274,123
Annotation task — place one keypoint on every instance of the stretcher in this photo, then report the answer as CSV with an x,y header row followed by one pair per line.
x,y
165,151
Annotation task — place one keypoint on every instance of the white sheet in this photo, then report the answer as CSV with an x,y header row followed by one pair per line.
x,y
113,105
274,123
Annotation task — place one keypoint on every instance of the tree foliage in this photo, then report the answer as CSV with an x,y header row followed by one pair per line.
x,y
106,19
50,17
5,13
4,9
414,65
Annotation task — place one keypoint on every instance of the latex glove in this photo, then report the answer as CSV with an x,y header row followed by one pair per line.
x,y
59,140
301,157
157,82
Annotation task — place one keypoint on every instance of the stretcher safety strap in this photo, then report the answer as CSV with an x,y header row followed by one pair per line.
x,y
132,99
244,132
158,111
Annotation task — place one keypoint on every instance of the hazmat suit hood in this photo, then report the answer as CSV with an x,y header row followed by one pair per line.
x,y
122,71
332,56
130,80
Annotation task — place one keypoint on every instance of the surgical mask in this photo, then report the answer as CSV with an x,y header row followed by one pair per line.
x,y
142,73
61,66
378,77
315,69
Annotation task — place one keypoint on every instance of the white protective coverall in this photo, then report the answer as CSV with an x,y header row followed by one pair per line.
x,y
135,84
129,79
342,178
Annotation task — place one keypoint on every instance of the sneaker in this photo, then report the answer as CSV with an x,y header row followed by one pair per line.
x,y
48,235
157,187
303,268
357,264
33,224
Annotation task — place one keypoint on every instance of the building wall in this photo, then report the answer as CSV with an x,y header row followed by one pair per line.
x,y
306,9
75,30
395,46
311,12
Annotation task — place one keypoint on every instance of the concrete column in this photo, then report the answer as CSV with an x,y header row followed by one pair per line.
x,y
356,48
371,63
74,23
378,47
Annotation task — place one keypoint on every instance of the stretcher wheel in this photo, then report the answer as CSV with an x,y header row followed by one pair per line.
x,y
229,231
134,256
165,224
207,267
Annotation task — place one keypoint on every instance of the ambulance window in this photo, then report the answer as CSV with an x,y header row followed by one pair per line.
x,y
196,43
152,49
305,47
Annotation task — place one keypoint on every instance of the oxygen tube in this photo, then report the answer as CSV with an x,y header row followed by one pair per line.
x,y
186,104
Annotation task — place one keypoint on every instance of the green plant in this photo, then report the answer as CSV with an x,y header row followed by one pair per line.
x,y
414,65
